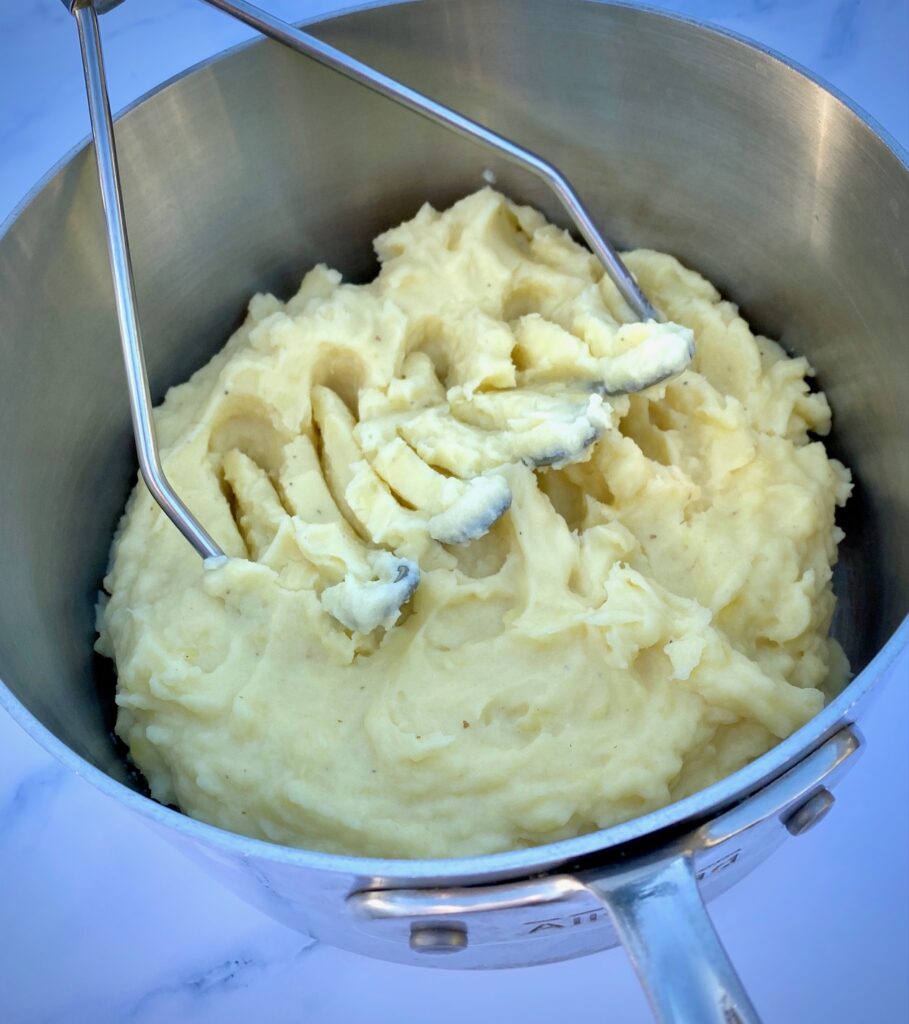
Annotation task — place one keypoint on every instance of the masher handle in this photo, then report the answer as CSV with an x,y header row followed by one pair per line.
x,y
140,403
354,69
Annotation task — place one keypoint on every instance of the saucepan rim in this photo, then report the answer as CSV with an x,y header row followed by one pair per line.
x,y
513,863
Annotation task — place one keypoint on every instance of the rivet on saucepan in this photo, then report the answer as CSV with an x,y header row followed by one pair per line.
x,y
434,938
808,814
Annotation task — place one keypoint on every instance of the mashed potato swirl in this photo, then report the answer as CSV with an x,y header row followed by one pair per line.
x,y
475,599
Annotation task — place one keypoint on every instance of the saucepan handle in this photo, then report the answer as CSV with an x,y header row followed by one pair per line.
x,y
666,930
651,896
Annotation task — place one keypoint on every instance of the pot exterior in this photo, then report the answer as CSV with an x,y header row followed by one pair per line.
x,y
527,921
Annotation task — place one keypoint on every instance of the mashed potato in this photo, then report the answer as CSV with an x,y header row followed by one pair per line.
x,y
475,599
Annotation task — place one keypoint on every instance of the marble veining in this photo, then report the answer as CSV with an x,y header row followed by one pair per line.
x,y
845,33
242,970
101,922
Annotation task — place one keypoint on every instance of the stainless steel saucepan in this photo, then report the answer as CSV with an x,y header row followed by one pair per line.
x,y
244,172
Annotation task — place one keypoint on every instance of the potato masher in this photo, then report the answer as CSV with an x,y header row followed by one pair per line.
x,y
86,14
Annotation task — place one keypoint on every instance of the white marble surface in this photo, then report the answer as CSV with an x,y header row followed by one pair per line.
x,y
101,923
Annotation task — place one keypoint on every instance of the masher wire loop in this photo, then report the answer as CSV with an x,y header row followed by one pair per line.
x,y
86,14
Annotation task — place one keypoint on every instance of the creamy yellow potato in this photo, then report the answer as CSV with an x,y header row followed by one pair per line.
x,y
475,599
